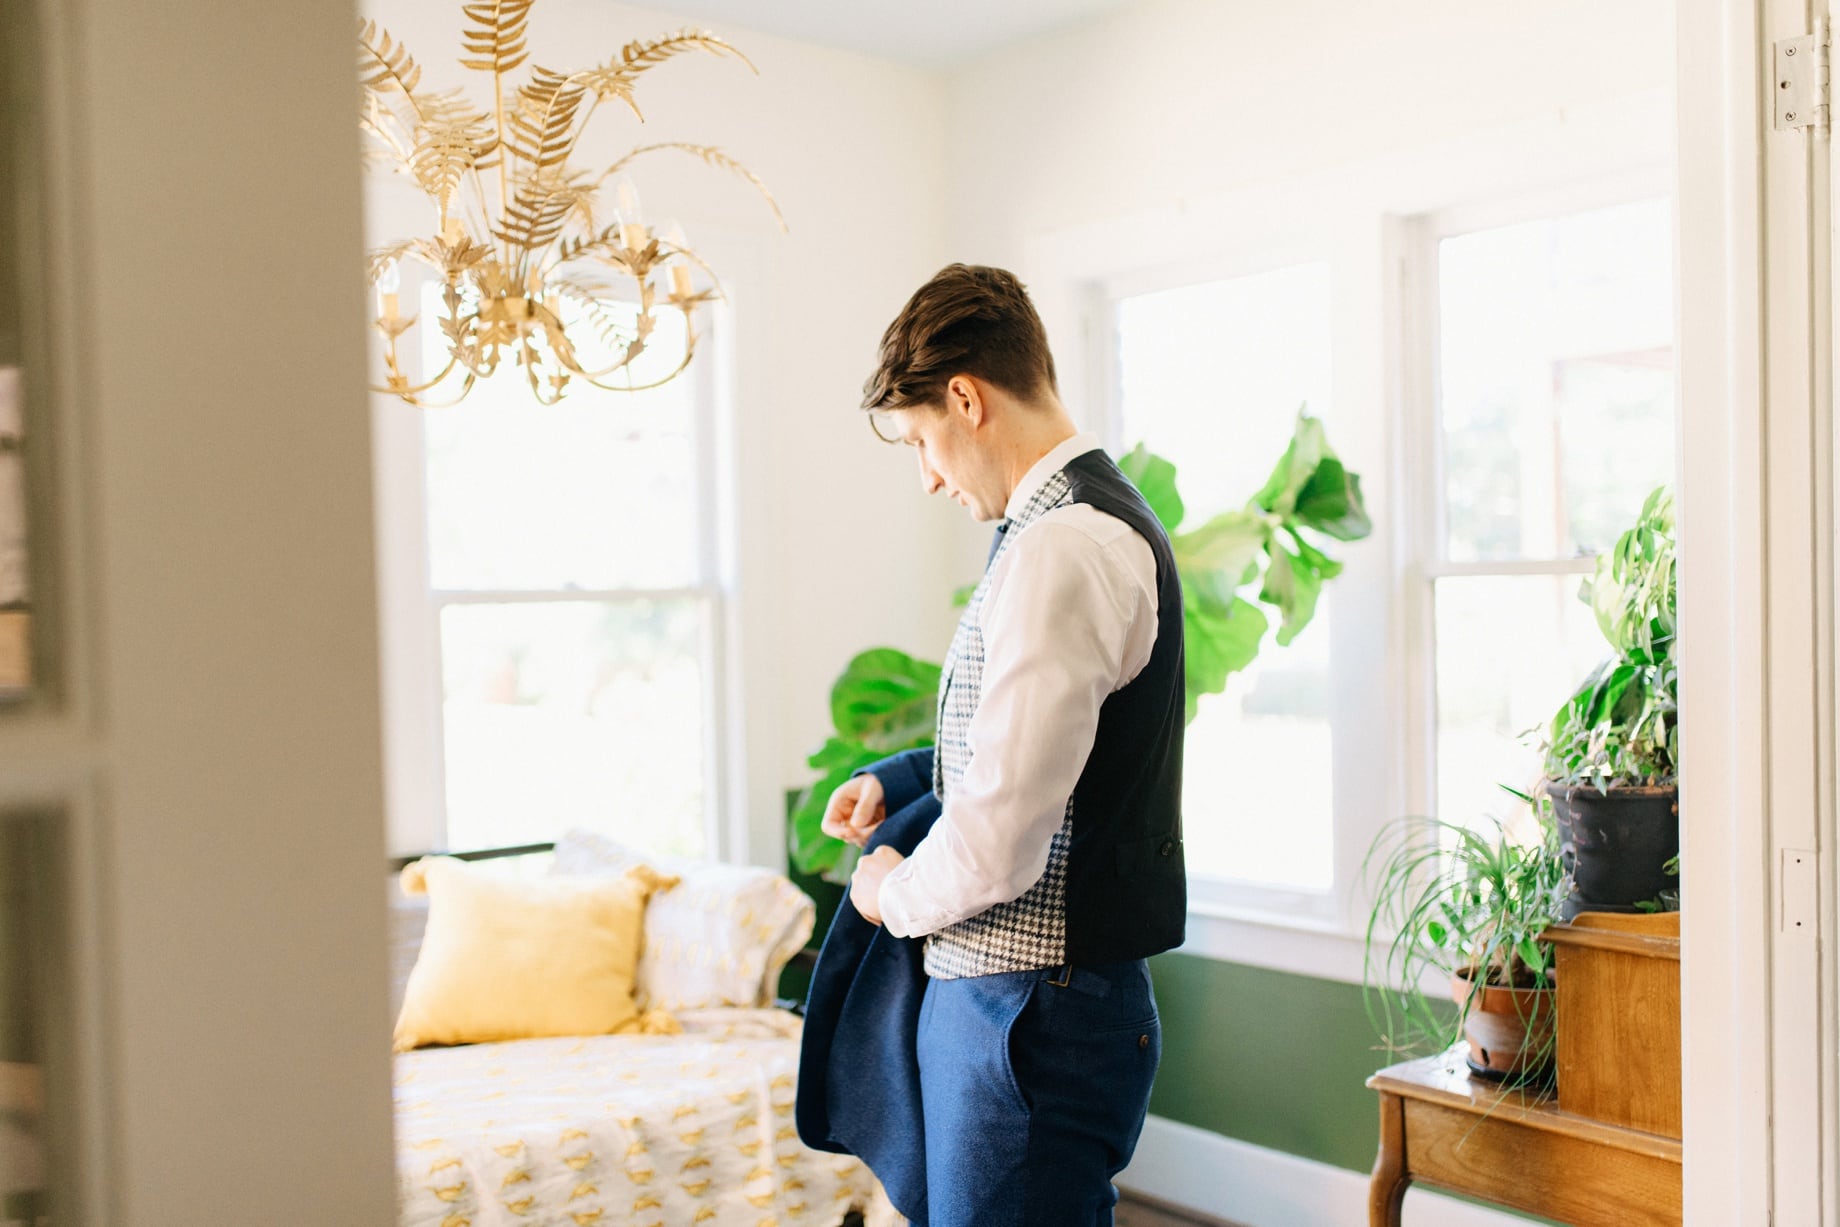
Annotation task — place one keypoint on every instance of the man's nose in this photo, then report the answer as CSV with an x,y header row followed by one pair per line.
x,y
930,482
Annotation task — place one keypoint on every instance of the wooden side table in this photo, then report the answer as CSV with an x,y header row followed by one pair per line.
x,y
1440,1127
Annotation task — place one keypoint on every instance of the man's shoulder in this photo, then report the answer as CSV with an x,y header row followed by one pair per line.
x,y
1101,528
1081,528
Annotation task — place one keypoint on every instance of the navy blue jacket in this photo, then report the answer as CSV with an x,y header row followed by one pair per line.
x,y
859,1074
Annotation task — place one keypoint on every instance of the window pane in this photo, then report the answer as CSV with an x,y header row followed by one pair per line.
x,y
1257,802
523,496
1211,379
1509,651
584,713
1556,380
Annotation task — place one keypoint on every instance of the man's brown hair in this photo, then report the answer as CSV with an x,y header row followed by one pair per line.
x,y
968,320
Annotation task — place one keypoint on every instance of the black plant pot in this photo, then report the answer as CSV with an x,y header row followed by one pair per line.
x,y
1616,844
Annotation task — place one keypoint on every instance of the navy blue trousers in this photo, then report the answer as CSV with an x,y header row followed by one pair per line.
x,y
1034,1093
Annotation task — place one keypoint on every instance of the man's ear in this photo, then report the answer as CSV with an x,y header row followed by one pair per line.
x,y
966,399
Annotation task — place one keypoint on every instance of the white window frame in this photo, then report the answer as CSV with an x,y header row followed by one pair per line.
x,y
1424,563
415,696
1213,895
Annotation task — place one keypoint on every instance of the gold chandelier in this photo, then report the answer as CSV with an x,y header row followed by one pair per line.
x,y
533,272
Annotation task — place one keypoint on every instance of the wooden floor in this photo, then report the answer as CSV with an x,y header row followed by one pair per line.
x,y
1136,1212
1132,1212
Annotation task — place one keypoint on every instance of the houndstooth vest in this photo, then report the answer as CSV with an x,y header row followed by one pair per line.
x,y
1114,887
1030,931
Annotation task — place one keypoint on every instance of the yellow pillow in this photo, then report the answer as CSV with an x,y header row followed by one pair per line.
x,y
507,958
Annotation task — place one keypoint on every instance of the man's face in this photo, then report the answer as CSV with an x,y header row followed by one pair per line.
x,y
945,443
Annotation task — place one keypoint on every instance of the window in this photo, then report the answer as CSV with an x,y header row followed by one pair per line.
x,y
1210,376
571,577
1553,413
1534,416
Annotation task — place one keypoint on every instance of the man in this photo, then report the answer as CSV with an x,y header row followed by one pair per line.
x,y
1055,866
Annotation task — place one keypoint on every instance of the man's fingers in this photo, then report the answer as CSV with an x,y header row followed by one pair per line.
x,y
840,809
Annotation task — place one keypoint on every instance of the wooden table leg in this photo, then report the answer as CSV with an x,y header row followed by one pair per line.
x,y
1388,1190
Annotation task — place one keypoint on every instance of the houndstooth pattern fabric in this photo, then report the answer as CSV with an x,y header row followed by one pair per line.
x,y
1030,931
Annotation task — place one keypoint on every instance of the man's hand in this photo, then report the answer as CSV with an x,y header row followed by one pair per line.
x,y
866,882
855,810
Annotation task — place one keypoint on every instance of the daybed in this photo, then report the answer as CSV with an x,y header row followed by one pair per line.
x,y
677,1130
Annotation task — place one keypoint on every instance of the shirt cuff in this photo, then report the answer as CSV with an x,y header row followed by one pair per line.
x,y
899,903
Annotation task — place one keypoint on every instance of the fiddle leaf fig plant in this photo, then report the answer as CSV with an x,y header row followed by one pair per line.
x,y
1233,567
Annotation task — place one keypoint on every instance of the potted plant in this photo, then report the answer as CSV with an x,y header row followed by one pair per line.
x,y
1611,751
1269,550
1466,909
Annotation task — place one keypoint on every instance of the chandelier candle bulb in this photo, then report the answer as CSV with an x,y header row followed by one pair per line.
x,y
389,281
626,199
626,208
678,244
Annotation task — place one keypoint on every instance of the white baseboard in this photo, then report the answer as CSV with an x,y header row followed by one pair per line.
x,y
1255,1187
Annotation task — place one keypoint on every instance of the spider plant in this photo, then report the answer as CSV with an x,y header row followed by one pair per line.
x,y
1466,907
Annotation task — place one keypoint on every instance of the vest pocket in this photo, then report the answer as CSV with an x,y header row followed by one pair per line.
x,y
1148,857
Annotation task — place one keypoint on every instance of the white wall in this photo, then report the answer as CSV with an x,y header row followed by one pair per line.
x,y
1168,101
836,552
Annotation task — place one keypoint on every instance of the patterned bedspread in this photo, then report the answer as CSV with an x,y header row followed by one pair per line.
x,y
621,1131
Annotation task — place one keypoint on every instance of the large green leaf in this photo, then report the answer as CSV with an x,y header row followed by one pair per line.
x,y
1223,551
1330,502
886,699
1293,470
1155,479
1607,695
1292,585
1217,643
1324,566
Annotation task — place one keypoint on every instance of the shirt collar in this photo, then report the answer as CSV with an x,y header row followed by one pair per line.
x,y
1063,453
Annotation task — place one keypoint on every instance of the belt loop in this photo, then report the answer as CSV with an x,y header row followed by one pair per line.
x,y
1065,976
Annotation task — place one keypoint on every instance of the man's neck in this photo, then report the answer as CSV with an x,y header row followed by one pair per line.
x,y
1055,429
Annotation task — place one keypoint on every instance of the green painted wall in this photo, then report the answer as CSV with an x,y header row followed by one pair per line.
x,y
1267,1057
1275,1059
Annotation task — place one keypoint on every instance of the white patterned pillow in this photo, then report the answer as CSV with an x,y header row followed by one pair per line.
x,y
720,937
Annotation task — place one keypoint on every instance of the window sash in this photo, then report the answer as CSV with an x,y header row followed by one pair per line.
x,y
1420,419
710,590
1381,774
1216,894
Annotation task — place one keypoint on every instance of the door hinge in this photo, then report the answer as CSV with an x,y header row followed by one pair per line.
x,y
1801,81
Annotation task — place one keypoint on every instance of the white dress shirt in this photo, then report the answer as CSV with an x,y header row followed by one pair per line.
x,y
1069,617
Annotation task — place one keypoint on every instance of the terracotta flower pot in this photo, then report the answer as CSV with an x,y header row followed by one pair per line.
x,y
1510,1030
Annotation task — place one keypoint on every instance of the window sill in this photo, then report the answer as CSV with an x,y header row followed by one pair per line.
x,y
1301,945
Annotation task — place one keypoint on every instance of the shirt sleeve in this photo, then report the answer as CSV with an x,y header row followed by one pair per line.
x,y
1071,619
